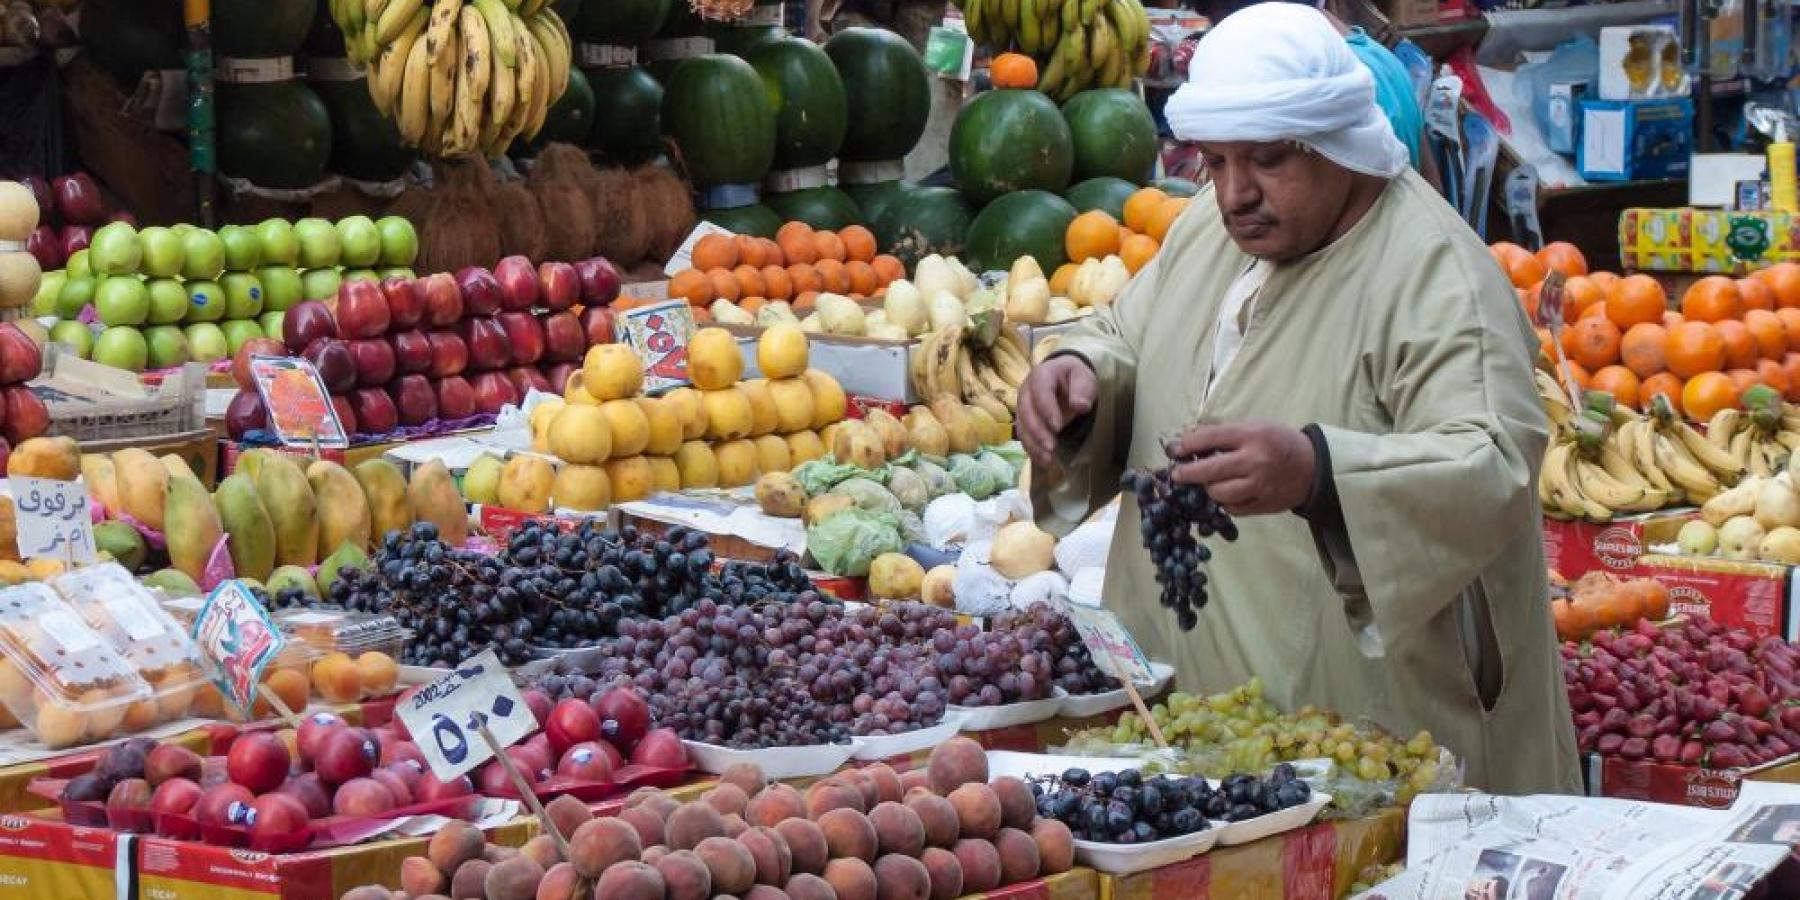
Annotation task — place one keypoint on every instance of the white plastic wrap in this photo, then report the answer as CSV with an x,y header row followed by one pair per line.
x,y
1085,547
948,520
1044,587
980,591
1086,585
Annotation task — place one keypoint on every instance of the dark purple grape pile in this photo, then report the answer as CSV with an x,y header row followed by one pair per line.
x,y
1128,808
1172,519
547,588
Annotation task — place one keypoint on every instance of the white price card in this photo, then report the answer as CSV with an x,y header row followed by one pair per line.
x,y
236,633
1106,637
659,333
445,716
683,257
54,520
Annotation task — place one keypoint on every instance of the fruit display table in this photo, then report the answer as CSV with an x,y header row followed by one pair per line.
x,y
15,780
1319,861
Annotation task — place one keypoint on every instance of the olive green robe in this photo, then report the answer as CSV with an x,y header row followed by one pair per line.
x,y
1429,608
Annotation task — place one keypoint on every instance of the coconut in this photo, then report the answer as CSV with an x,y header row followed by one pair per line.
x,y
522,231
564,183
625,234
670,205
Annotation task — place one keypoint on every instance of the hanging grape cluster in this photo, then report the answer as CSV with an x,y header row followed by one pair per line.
x,y
1173,518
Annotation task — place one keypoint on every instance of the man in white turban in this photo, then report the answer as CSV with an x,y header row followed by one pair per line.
x,y
1334,356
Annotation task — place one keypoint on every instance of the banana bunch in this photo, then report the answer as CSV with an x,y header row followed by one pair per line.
x,y
1079,44
459,78
948,362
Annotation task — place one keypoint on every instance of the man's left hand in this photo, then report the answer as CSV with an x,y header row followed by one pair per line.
x,y
1250,468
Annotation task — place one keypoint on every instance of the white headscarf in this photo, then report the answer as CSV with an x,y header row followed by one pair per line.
x,y
1281,72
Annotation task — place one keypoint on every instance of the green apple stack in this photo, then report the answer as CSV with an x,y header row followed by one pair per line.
x,y
159,297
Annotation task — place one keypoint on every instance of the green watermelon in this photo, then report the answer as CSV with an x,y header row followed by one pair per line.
x,y
1176,187
1010,140
365,145
887,90
681,22
625,22
873,198
130,37
715,110
743,40
626,126
250,29
822,207
923,221
807,98
1104,193
755,220
1019,224
277,135
1113,134
571,117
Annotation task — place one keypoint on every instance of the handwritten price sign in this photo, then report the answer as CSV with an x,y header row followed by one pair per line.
x,y
236,633
660,335
1105,637
54,519
446,716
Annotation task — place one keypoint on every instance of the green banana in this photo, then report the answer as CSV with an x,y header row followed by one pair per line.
x,y
1030,30
397,18
499,21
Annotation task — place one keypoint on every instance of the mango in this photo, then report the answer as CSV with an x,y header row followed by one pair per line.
x,y
9,530
344,516
192,526
173,582
250,461
665,425
348,555
581,487
525,483
292,509
435,499
481,483
57,458
697,465
385,489
177,467
124,543
664,474
580,434
250,529
295,577
142,483
97,471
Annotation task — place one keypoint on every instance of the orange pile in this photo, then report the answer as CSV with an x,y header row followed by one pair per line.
x,y
1598,600
1095,234
797,266
1728,334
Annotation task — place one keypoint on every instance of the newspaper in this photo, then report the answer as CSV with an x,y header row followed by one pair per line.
x,y
1484,847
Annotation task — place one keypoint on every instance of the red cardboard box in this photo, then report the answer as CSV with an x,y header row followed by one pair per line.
x,y
1574,548
41,858
1755,596
1629,779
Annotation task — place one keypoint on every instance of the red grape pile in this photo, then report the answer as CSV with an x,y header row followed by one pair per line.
x,y
1172,519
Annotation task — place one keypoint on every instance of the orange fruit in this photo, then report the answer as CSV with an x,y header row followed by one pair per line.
x,y
859,243
1013,70
1092,235
1642,349
1771,373
1784,280
1618,381
1528,300
1140,205
1663,384
828,245
772,255
291,685
724,284
1125,234
1523,269
1597,311
1607,281
862,277
1561,256
797,247
1137,252
1740,347
1576,372
1579,294
749,281
1164,217
751,304
832,274
792,230
379,673
805,278
804,303
1770,334
1707,393
691,285
1693,348
1062,278
1790,366
750,251
890,268
1756,294
1741,381
1546,344
1711,299
1635,303
1593,342
1790,323
776,283
715,251
336,679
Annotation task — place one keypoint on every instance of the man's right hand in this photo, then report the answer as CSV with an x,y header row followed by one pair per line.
x,y
1058,392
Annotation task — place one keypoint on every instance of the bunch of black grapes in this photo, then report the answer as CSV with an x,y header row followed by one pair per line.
x,y
1127,807
1173,518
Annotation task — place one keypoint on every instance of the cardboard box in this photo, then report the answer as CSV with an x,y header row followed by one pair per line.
x,y
92,402
1638,779
199,448
42,858
1641,62
1635,140
1321,860
1574,548
1758,597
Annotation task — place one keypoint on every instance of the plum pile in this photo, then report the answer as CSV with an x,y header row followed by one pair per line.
x,y
1695,694
549,589
1172,519
1126,807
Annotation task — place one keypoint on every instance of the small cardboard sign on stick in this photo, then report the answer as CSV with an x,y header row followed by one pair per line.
x,y
1118,654
54,519
235,632
659,333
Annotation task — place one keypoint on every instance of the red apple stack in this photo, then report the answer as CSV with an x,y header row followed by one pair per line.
x,y
22,413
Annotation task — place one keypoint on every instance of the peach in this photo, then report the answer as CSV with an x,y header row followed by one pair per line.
x,y
650,829
602,842
936,815
336,678
765,892
1018,806
727,798
514,879
378,673
367,892
1056,846
956,762
454,844
851,879
828,795
735,826
977,809
807,886
470,880
418,876
733,868
897,829
849,834
1019,857
562,882
652,854
748,777
980,865
806,844
684,876
865,785
542,850
901,878
773,804
692,823
914,778
945,872
568,814
774,861
630,881
887,782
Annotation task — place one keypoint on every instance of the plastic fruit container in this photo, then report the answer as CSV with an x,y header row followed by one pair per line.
x,y
58,676
127,615
354,633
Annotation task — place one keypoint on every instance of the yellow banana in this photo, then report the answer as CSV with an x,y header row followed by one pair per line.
x,y
555,53
1640,448
502,91
1696,483
391,64
354,17
477,75
415,95
440,33
1616,464
1719,462
1724,426
1597,484
443,83
499,21
397,17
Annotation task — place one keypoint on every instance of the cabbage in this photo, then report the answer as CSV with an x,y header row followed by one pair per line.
x,y
1014,453
1003,469
821,475
973,478
868,495
937,481
909,488
846,543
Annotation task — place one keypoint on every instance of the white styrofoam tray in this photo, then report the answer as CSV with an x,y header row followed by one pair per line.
x,y
1081,706
776,762
1232,834
988,718
889,746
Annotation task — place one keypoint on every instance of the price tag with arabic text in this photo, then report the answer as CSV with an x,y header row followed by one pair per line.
x,y
445,716
1106,638
54,520
660,334
236,633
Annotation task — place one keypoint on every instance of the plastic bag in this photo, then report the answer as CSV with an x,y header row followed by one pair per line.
x,y
937,481
948,520
1044,587
1014,454
1085,547
847,542
979,590
1001,468
820,475
973,478
909,488
868,495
